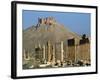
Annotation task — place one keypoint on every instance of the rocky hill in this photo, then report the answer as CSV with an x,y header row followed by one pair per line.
x,y
47,29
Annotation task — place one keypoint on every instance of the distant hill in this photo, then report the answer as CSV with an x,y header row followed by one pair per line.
x,y
47,29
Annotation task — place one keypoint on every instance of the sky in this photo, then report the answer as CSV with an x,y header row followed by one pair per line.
x,y
76,22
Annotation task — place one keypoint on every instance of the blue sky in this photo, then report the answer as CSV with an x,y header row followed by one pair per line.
x,y
76,22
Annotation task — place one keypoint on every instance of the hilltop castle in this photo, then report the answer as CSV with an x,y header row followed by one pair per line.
x,y
46,21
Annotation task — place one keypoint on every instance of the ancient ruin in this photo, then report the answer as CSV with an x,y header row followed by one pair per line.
x,y
49,44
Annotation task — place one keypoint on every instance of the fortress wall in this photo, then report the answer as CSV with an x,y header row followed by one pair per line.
x,y
47,21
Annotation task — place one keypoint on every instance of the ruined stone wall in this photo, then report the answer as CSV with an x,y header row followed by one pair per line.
x,y
79,51
84,52
71,50
46,21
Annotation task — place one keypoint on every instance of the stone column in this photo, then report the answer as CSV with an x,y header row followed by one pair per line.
x,y
76,49
49,54
53,60
39,45
44,52
24,54
62,51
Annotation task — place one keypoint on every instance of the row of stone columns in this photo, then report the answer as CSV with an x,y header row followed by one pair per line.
x,y
51,54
